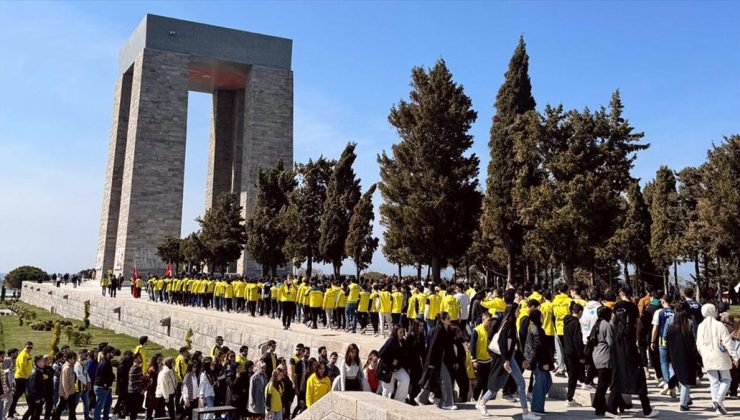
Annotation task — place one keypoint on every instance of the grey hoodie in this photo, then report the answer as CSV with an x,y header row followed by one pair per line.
x,y
602,353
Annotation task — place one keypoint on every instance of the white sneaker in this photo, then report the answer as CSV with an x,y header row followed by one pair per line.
x,y
573,403
653,413
531,416
588,387
418,401
612,415
481,406
449,407
537,413
666,390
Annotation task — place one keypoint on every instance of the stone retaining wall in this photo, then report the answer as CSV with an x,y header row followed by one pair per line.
x,y
141,317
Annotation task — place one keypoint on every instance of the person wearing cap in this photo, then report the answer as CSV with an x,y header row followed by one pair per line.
x,y
165,391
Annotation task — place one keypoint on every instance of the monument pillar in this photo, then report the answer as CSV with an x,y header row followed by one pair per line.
x,y
114,174
153,172
268,136
226,118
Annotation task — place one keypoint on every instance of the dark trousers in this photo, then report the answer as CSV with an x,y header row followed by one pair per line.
x,y
481,379
374,321
33,412
396,319
187,411
65,403
655,360
460,376
616,403
362,319
341,320
605,379
20,389
134,405
169,403
288,311
315,314
575,371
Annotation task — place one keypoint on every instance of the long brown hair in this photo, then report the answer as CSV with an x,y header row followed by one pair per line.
x,y
355,360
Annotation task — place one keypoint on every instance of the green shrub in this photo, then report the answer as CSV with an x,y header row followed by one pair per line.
x,y
81,339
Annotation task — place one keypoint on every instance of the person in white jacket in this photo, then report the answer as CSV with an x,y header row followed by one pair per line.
x,y
165,391
714,344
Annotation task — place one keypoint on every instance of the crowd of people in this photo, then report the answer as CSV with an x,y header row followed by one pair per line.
x,y
447,343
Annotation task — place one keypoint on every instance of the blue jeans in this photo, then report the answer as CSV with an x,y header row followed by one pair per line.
x,y
209,403
352,316
665,365
542,384
516,373
685,394
103,397
85,397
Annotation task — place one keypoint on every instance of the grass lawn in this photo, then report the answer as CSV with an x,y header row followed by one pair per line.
x,y
16,336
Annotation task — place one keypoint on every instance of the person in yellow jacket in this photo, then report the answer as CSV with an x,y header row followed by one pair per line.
x,y
239,290
252,296
560,308
373,311
399,298
23,370
339,310
315,300
288,296
303,313
228,294
353,301
421,302
181,364
548,320
434,301
274,394
317,385
141,349
481,358
330,302
494,303
385,305
411,307
363,306
451,305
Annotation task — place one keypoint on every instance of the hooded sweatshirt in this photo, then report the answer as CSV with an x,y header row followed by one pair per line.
x,y
714,342
573,343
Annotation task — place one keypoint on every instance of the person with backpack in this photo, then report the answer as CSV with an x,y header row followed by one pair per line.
x,y
658,340
538,358
645,334
601,337
573,347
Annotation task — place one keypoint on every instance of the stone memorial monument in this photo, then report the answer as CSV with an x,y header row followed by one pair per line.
x,y
250,78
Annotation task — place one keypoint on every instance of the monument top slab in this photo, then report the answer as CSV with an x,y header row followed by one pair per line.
x,y
206,42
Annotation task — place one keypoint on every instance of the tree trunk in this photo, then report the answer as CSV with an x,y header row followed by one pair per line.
x,y
418,272
697,274
358,273
567,273
454,273
399,271
309,266
337,269
675,273
436,269
536,275
526,272
719,277
627,274
510,266
665,280
273,271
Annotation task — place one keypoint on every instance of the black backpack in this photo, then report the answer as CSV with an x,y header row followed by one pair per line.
x,y
593,338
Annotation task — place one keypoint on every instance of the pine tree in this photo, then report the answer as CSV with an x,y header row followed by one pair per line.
x,y
514,99
694,237
301,219
222,232
361,244
342,195
169,250
632,239
664,214
264,231
429,184
193,251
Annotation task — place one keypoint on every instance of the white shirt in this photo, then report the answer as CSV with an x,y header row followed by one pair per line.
x,y
81,373
464,300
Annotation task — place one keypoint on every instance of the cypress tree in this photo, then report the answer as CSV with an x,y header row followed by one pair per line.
x,y
514,99
222,232
633,237
361,244
429,186
265,233
342,194
301,219
664,212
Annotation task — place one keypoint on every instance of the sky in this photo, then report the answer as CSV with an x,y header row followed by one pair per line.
x,y
675,64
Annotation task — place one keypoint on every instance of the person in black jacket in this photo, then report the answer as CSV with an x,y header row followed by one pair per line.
x,y
574,350
127,361
35,390
104,384
538,355
414,348
455,363
396,383
436,377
